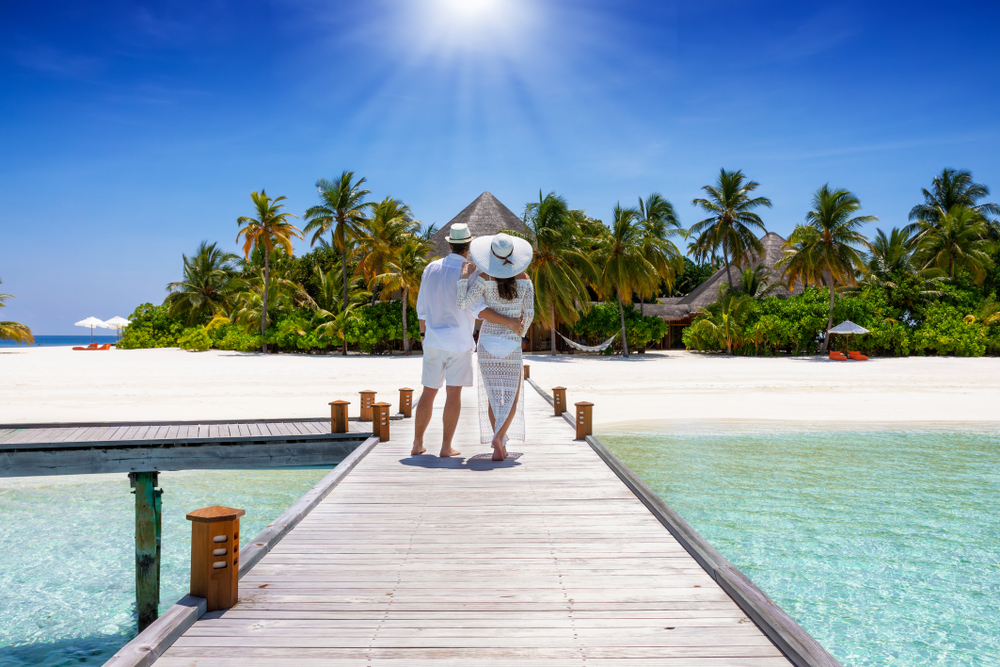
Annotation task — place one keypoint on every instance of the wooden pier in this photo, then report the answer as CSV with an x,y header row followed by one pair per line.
x,y
553,557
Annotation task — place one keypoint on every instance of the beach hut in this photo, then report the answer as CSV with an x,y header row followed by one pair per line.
x,y
485,216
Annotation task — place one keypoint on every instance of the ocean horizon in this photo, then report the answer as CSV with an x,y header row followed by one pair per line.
x,y
56,341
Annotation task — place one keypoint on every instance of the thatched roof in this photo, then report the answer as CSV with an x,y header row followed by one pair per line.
x,y
680,308
485,216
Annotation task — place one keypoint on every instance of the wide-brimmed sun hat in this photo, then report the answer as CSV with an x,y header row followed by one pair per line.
x,y
459,233
501,256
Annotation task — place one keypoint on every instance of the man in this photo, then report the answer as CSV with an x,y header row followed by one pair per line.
x,y
447,342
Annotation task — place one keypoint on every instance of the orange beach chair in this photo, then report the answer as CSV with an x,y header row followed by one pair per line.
x,y
92,346
857,356
837,356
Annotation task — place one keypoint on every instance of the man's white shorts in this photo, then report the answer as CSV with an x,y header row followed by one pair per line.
x,y
446,367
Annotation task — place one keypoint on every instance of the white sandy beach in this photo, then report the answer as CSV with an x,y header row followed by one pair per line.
x,y
61,385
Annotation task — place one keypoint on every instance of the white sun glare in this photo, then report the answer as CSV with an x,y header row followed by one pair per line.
x,y
466,26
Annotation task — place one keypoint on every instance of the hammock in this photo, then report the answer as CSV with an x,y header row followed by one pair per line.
x,y
588,348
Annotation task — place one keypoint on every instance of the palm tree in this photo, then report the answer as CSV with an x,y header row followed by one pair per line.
x,y
732,217
209,285
404,272
755,282
622,261
828,244
891,254
329,290
659,221
342,207
269,230
953,188
382,235
560,268
14,330
725,318
952,239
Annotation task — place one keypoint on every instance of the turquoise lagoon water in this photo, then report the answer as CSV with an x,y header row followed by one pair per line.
x,y
882,542
56,341
67,554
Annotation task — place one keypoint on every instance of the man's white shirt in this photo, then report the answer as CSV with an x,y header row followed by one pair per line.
x,y
447,326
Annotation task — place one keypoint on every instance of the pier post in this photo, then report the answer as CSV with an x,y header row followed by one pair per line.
x,y
148,512
406,401
380,421
338,416
559,400
584,419
527,371
367,398
215,553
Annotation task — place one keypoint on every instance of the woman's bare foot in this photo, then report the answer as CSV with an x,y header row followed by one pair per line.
x,y
448,451
499,451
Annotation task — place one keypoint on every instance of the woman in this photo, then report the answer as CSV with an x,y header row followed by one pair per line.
x,y
506,289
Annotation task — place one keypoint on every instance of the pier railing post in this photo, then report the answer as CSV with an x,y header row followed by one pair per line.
x,y
148,523
584,419
559,400
406,401
338,416
367,398
215,553
380,421
527,371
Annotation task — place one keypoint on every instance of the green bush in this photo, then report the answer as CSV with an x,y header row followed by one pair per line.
x,y
231,337
195,339
603,321
944,331
151,326
376,327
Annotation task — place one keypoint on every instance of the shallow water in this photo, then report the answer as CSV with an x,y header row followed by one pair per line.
x,y
883,543
67,553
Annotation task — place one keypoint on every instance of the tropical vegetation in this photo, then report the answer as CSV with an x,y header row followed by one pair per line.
x,y
13,330
929,287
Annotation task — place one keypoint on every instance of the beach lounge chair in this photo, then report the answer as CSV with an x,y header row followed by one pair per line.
x,y
857,356
92,346
837,356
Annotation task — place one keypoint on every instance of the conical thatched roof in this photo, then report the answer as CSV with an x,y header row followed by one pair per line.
x,y
485,216
707,293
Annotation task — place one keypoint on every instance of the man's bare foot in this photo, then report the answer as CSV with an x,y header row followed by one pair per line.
x,y
448,451
417,450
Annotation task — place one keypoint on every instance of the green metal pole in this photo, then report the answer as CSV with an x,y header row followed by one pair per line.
x,y
147,562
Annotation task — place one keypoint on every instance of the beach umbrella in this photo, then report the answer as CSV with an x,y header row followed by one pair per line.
x,y
91,322
117,323
848,328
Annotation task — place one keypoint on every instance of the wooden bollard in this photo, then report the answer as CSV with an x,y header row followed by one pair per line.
x,y
406,401
338,416
148,529
215,555
584,419
367,398
380,422
527,371
559,400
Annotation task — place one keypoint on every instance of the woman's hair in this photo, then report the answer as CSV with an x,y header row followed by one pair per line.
x,y
507,288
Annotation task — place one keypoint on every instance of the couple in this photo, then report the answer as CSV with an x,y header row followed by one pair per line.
x,y
454,293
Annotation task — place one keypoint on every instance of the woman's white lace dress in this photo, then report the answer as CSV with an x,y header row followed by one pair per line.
x,y
499,352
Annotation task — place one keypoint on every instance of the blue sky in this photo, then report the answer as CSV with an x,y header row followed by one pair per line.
x,y
131,131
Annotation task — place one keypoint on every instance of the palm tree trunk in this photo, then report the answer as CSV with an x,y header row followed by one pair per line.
x,y
343,304
406,341
729,270
829,321
621,312
552,333
642,305
263,308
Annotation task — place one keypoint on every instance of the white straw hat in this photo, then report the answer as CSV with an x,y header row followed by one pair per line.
x,y
501,256
459,233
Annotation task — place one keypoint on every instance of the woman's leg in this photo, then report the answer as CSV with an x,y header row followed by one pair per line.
x,y
499,437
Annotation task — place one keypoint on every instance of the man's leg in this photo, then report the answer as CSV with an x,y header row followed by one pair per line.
x,y
425,409
452,409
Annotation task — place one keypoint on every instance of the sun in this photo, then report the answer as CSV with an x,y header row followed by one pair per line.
x,y
474,26
471,11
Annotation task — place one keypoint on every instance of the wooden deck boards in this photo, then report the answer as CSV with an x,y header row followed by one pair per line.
x,y
543,559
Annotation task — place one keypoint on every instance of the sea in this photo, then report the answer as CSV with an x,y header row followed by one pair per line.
x,y
882,541
56,341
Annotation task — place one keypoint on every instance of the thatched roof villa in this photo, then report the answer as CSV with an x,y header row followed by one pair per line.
x,y
485,216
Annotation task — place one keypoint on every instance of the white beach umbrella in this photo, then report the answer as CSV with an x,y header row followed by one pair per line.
x,y
117,323
91,322
848,327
